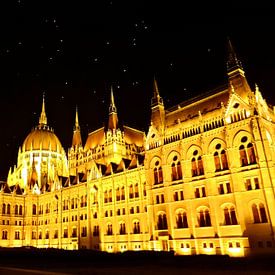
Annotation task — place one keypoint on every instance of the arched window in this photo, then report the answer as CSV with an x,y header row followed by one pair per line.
x,y
109,229
8,208
20,210
105,196
3,208
181,219
259,213
158,175
204,218
131,191
16,210
4,235
217,161
136,227
136,191
110,195
251,153
162,222
122,228
122,193
247,152
230,216
118,194
224,160
197,168
176,169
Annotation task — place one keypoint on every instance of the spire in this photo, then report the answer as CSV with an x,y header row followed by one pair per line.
x,y
43,117
157,108
113,119
156,99
77,141
233,63
76,126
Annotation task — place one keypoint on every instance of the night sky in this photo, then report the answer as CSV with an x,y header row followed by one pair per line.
x,y
73,52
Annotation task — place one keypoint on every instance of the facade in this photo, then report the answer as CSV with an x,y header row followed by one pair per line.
x,y
200,182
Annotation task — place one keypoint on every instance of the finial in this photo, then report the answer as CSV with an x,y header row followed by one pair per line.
x,y
76,118
156,89
43,117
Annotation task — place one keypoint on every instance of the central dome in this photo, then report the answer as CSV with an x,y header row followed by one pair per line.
x,y
42,138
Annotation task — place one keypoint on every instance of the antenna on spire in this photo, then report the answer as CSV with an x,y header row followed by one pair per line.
x,y
43,117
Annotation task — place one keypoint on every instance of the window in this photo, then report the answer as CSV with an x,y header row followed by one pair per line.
x,y
197,165
96,230
122,228
34,209
3,208
74,232
252,184
259,213
65,233
47,235
131,192
122,193
162,222
4,235
33,235
21,210
230,216
158,175
8,209
84,231
224,188
109,229
136,227
204,218
17,235
118,194
136,191
56,234
247,152
181,219
176,169
16,209
200,192
220,158
178,195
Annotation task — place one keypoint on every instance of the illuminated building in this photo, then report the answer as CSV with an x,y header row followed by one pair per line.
x,y
200,181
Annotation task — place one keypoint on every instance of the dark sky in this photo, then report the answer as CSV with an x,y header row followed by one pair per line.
x,y
74,51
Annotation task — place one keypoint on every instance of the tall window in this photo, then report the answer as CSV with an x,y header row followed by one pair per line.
x,y
176,169
8,208
109,229
136,227
220,158
4,235
3,208
34,209
122,228
16,209
136,191
118,194
197,164
20,210
247,152
259,213
162,222
181,219
204,218
230,216
158,175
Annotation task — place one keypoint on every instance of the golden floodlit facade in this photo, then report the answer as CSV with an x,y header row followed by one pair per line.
x,y
201,181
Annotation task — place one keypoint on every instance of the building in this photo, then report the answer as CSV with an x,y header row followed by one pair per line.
x,y
201,181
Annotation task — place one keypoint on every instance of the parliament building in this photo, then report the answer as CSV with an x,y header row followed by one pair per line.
x,y
200,181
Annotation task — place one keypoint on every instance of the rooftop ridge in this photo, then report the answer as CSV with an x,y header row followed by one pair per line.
x,y
201,96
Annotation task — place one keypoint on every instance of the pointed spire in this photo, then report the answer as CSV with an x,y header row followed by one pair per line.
x,y
77,141
43,117
112,107
233,63
156,100
113,119
76,126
